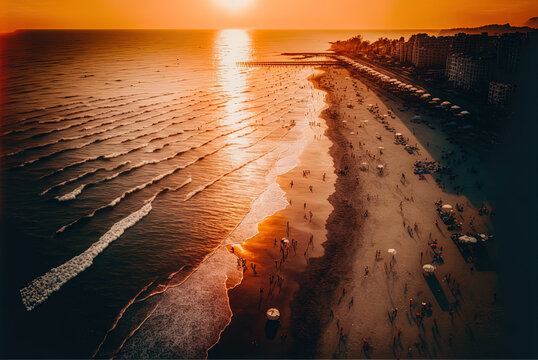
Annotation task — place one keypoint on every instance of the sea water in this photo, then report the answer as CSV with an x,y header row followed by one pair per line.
x,y
129,158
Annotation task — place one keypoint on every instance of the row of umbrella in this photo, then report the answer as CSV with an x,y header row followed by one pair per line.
x,y
395,83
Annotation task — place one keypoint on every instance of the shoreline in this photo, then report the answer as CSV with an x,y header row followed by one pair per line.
x,y
249,334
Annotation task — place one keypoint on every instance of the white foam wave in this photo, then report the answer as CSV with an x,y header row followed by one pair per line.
x,y
72,195
39,289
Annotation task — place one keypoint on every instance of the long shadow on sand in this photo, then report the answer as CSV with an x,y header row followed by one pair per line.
x,y
437,291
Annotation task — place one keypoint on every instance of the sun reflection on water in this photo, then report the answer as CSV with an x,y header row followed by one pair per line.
x,y
232,46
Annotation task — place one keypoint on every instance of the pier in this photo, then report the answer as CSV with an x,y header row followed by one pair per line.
x,y
287,63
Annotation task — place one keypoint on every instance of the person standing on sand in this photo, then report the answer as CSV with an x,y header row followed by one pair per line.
x,y
291,183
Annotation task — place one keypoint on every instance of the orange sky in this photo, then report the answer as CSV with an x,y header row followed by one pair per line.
x,y
265,14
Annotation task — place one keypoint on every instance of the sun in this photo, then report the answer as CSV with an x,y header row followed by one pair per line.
x,y
234,5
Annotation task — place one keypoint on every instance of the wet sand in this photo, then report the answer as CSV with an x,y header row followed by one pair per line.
x,y
247,335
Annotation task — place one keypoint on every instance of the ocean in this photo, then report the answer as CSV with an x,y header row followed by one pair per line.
x,y
128,159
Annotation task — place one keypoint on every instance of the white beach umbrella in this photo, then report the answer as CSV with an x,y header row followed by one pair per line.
x,y
428,268
436,99
425,96
446,207
380,167
483,237
402,85
381,148
445,103
413,89
285,241
420,91
398,134
467,239
408,86
465,112
272,314
455,107
364,165
392,251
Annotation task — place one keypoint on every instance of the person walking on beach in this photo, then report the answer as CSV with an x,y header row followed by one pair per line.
x,y
304,206
310,187
291,183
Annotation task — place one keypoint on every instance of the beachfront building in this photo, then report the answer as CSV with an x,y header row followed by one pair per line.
x,y
406,50
430,51
472,43
499,94
469,72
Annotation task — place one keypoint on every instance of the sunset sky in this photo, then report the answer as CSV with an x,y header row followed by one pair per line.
x,y
265,14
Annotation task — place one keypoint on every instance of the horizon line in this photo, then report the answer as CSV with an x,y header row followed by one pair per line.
x,y
209,29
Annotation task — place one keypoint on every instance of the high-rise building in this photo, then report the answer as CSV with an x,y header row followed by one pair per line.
x,y
430,51
469,72
500,94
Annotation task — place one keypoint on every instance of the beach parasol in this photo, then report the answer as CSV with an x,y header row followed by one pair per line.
x,y
467,239
445,103
381,148
408,86
285,241
465,112
392,251
455,107
425,96
436,99
402,85
273,314
380,167
429,268
446,207
397,134
420,91
364,165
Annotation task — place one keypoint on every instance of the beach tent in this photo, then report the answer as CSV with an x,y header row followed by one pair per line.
x,y
392,252
428,268
467,239
273,314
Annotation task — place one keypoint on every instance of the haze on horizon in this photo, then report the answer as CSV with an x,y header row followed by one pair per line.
x,y
261,14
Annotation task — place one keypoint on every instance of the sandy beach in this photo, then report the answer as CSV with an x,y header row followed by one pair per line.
x,y
343,294
401,214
